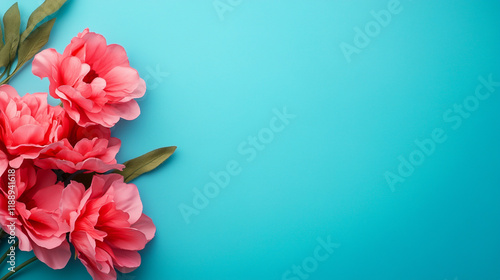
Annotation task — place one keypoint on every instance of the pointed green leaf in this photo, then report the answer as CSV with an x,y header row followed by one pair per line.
x,y
145,163
34,42
5,55
12,24
46,9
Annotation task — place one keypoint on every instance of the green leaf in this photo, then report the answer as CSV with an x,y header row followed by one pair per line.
x,y
12,25
145,163
5,55
46,9
34,42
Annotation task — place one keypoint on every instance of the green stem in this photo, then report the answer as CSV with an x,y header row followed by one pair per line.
x,y
4,72
10,76
24,264
4,256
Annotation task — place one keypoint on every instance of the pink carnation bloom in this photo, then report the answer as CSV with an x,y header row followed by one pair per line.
x,y
36,219
107,226
93,80
4,162
91,149
28,124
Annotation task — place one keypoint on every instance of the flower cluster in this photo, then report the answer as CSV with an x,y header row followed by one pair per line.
x,y
49,147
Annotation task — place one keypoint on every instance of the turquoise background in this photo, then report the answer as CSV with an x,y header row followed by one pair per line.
x,y
215,80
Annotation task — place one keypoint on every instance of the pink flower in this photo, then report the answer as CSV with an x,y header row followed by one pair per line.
x,y
28,124
93,80
36,219
90,149
4,162
107,226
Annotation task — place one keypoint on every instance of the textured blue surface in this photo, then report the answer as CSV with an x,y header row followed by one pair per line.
x,y
216,79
